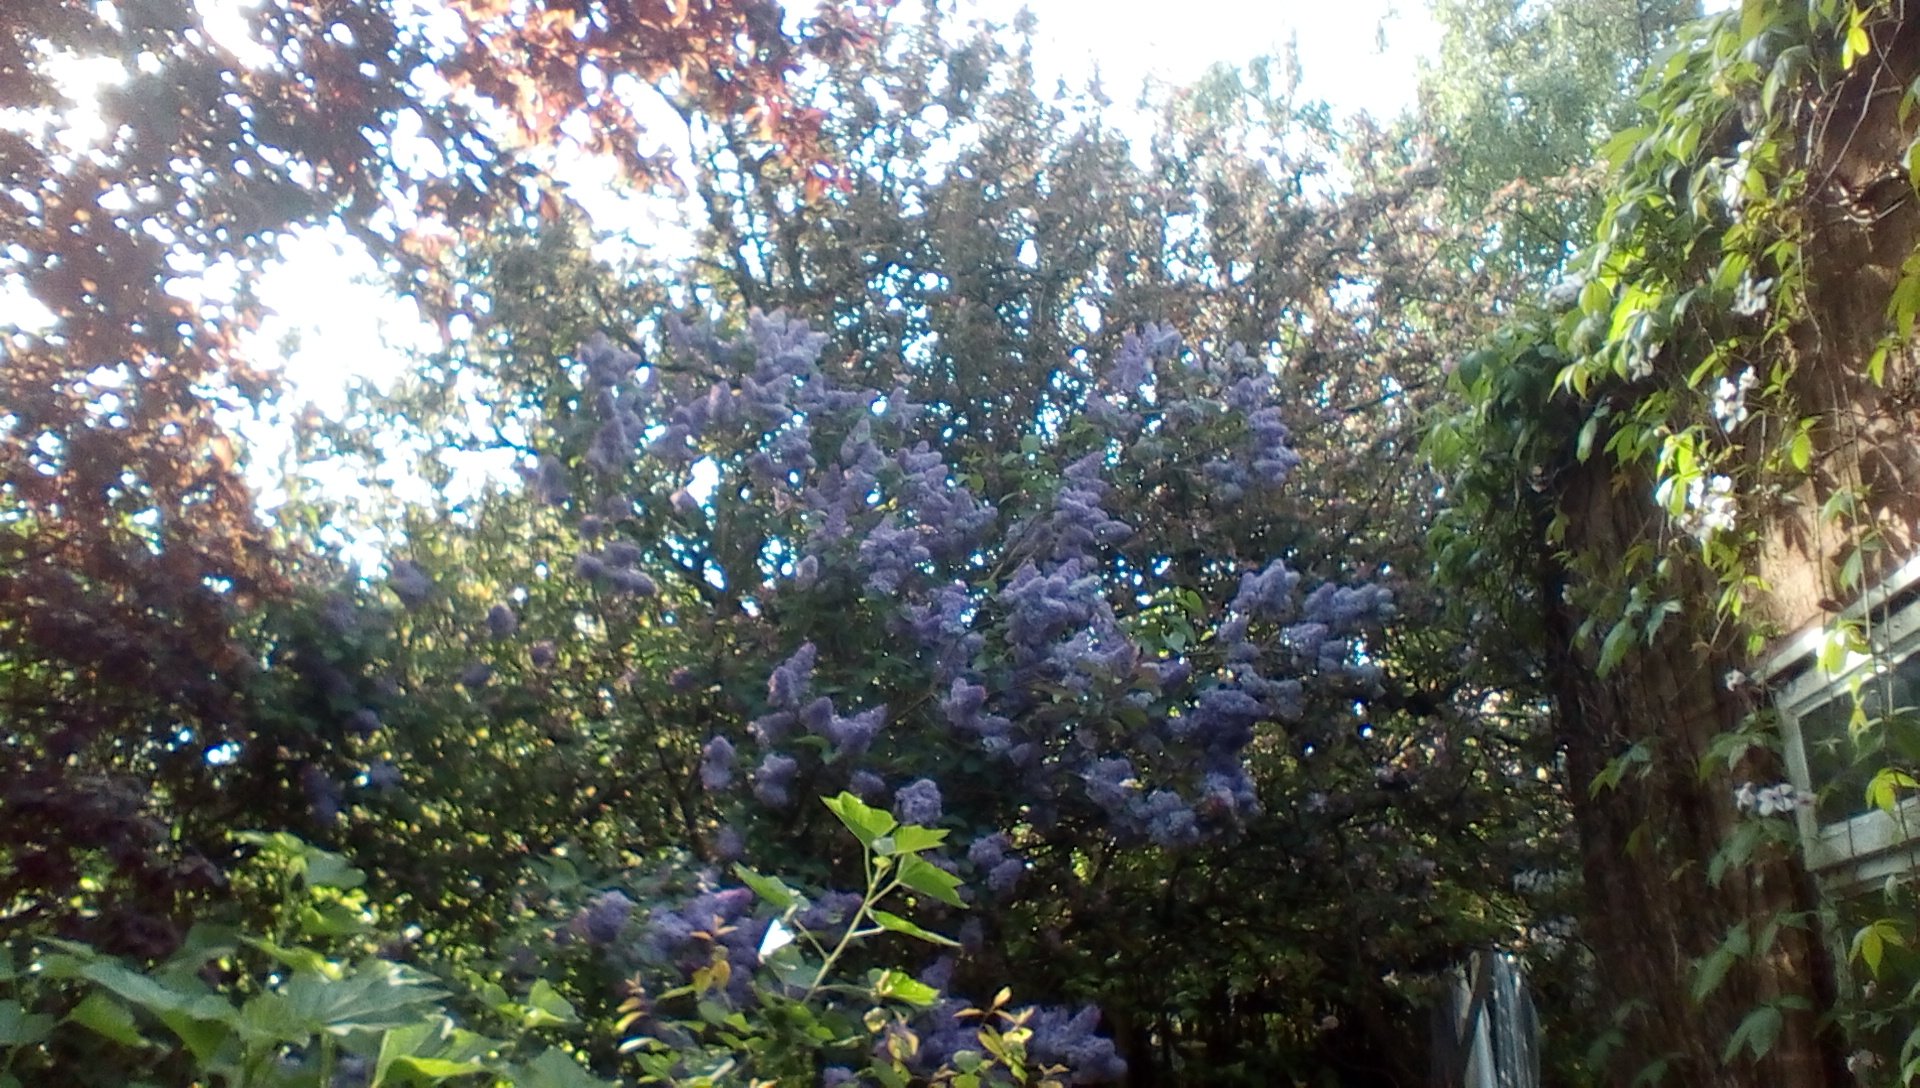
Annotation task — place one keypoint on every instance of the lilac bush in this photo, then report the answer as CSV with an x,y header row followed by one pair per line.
x,y
1039,631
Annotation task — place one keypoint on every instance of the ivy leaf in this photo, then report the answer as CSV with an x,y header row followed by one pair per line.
x,y
1756,1034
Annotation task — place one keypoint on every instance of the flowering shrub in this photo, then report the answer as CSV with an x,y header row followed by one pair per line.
x,y
1039,627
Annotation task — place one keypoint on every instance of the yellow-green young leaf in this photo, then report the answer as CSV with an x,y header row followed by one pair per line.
x,y
897,924
912,838
901,986
1883,791
866,823
1870,944
1857,45
1801,452
440,1068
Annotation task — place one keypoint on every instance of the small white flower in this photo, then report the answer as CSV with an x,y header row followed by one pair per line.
x,y
1733,180
1730,399
1775,800
1710,506
1750,298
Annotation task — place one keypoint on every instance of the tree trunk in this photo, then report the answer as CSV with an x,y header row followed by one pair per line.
x,y
1654,912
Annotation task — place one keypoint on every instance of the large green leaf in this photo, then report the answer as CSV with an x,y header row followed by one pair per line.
x,y
376,995
924,878
866,822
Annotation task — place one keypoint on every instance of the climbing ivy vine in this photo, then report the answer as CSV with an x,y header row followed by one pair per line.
x,y
1678,353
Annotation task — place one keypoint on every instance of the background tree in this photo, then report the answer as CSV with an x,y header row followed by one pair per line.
x,y
132,547
1515,104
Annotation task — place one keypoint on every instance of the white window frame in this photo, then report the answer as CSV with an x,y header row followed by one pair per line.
x,y
1867,848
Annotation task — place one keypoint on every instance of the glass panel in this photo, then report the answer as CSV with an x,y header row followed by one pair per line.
x,y
1840,766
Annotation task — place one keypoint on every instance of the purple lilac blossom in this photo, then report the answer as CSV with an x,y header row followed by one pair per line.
x,y
918,802
542,654
383,776
866,785
409,583
716,764
604,917
322,793
791,680
773,780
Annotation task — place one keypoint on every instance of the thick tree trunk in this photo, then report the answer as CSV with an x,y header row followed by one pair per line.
x,y
1647,843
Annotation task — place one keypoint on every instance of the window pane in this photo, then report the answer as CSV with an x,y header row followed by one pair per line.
x,y
1841,766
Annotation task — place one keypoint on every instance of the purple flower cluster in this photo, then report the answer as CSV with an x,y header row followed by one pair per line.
x,y
789,693
918,802
716,764
684,940
409,583
1059,1039
603,918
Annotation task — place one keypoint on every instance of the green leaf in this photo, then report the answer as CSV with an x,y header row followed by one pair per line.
x,y
928,880
430,1050
768,888
376,996
912,838
105,1016
901,986
1883,791
555,1069
330,870
1756,1034
1801,452
897,924
1713,969
333,920
18,1027
866,823
546,1007
298,958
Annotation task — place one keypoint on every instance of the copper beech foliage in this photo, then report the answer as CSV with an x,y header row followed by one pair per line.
x,y
127,535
